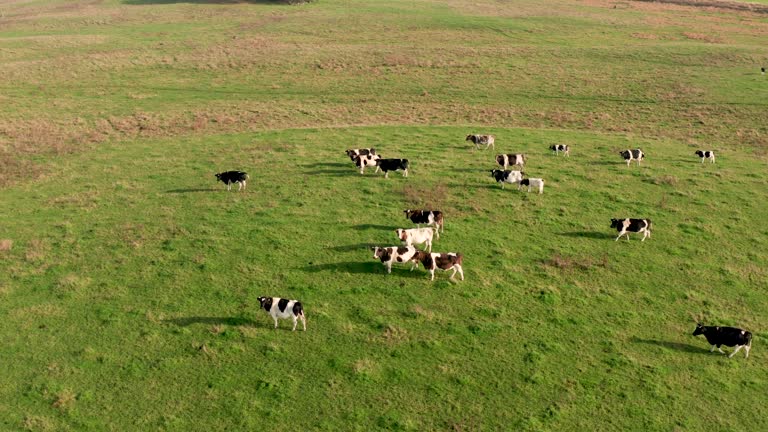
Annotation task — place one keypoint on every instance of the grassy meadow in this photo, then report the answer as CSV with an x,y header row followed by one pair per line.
x,y
128,277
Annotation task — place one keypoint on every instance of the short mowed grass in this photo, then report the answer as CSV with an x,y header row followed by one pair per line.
x,y
130,289
129,277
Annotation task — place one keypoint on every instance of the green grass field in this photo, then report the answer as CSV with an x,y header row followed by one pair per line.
x,y
128,277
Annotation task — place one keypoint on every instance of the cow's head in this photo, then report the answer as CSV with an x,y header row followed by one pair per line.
x,y
699,153
349,152
615,223
699,329
469,137
409,213
401,234
218,176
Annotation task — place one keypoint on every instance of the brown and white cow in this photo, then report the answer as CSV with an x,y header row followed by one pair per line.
x,y
416,236
354,153
429,217
507,160
395,254
479,140
443,261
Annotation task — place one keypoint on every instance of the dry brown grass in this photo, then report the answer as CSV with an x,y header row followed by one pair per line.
x,y
36,250
65,400
6,244
430,197
563,262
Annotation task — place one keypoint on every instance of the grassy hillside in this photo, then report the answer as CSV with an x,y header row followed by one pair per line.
x,y
128,277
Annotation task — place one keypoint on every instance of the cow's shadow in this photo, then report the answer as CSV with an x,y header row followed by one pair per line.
x,y
372,267
233,321
671,345
350,165
373,226
190,190
335,172
588,234
352,247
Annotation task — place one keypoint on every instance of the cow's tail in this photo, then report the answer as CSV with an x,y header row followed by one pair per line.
x,y
749,340
459,259
648,227
442,223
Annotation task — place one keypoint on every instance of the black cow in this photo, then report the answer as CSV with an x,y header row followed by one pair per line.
x,y
626,226
229,177
728,336
762,70
706,154
561,148
429,217
636,154
387,165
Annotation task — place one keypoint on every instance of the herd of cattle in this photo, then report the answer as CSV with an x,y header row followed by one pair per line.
x,y
407,253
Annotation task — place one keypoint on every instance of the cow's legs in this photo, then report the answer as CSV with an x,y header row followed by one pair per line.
x,y
405,173
433,274
620,234
377,169
294,323
746,349
461,271
713,349
721,351
389,267
738,347
275,318
386,173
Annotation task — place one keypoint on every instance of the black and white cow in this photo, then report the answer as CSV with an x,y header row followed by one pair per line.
x,y
532,183
229,177
444,261
706,154
479,140
507,160
561,148
363,161
626,226
354,153
506,176
429,217
388,165
728,336
416,236
762,70
394,254
635,154
278,307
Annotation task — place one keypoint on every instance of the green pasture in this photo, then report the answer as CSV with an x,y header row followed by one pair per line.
x,y
129,277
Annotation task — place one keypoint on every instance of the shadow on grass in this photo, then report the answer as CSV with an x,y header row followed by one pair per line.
x,y
588,234
373,226
350,165
234,321
352,247
363,267
335,172
672,345
194,190
221,2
